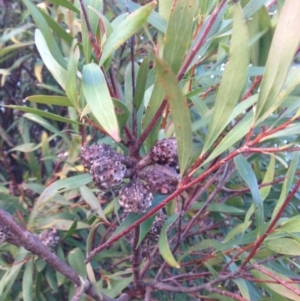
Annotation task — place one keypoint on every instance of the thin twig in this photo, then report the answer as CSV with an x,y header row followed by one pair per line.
x,y
228,294
201,41
277,278
271,226
90,32
136,261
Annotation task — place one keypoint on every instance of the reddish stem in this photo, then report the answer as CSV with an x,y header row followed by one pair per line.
x,y
200,42
271,226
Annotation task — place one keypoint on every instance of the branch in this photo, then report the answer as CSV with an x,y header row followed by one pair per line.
x,y
31,243
228,294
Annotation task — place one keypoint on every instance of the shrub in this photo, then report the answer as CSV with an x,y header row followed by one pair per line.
x,y
164,155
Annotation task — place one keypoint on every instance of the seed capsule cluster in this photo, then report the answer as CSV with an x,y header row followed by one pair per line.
x,y
105,166
162,179
135,197
165,152
109,169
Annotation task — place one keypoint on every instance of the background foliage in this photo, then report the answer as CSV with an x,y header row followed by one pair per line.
x,y
220,76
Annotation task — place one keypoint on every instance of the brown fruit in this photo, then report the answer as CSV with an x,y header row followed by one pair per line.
x,y
165,152
161,179
95,153
135,196
107,174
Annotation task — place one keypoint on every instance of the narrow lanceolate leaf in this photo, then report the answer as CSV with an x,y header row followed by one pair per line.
x,y
44,28
247,173
286,246
126,29
94,23
233,80
179,110
43,114
71,84
163,244
284,45
76,261
287,183
268,178
179,31
51,100
92,201
98,98
57,71
27,281
235,135
63,186
141,81
281,289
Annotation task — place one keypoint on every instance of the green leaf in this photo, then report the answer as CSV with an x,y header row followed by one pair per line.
x,y
236,134
122,113
41,121
9,277
241,283
284,44
57,71
145,228
27,281
61,186
269,176
141,81
94,24
179,110
10,48
247,174
128,84
45,31
71,84
285,246
44,114
51,100
66,225
252,7
76,261
7,35
92,201
51,280
65,4
98,98
125,30
281,289
155,101
231,86
26,147
163,244
288,181
179,31
155,19
62,33
216,207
